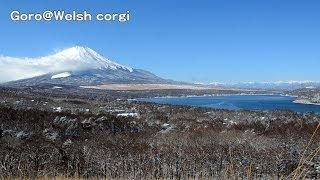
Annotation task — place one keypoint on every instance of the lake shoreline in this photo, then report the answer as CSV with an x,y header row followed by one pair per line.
x,y
241,101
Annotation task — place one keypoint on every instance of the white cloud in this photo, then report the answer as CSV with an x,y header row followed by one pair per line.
x,y
21,68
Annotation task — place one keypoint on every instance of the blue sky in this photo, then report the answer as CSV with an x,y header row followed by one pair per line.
x,y
194,41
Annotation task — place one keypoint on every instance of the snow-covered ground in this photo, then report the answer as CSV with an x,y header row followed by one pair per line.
x,y
128,115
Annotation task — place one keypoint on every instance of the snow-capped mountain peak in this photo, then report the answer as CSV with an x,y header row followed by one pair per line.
x,y
76,52
88,57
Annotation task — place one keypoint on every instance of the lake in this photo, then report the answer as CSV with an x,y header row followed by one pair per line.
x,y
239,102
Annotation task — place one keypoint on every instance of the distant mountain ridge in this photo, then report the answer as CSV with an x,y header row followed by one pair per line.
x,y
282,85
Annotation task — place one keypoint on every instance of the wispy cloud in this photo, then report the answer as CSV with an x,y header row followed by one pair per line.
x,y
21,68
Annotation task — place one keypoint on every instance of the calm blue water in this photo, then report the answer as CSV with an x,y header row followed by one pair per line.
x,y
239,102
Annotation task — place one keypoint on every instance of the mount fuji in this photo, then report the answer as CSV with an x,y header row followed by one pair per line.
x,y
77,66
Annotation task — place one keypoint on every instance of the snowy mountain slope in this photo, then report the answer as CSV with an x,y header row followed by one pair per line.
x,y
78,66
91,78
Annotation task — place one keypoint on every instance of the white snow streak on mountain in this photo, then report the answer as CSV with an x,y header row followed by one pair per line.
x,y
61,75
73,59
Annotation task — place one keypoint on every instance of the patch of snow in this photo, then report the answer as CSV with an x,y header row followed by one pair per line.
x,y
50,134
57,109
128,115
165,125
166,128
61,120
22,135
61,75
67,142
310,87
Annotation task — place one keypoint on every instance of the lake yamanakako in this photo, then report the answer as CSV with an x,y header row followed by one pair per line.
x,y
239,102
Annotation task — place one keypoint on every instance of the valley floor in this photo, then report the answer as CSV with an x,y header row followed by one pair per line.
x,y
94,133
146,87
